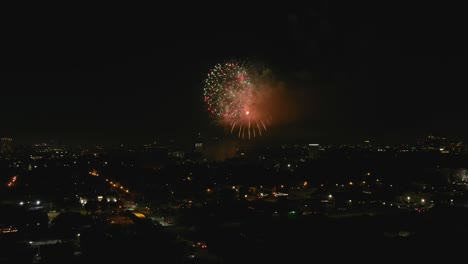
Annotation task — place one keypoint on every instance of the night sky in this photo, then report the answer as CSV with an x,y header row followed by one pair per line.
x,y
358,71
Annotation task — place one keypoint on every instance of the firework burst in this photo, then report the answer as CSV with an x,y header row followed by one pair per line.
x,y
230,93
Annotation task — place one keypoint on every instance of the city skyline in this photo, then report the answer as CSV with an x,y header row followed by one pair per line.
x,y
233,132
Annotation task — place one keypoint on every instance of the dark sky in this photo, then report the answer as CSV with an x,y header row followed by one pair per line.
x,y
363,71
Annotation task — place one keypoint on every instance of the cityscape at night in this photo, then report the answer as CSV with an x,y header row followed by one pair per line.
x,y
279,133
69,203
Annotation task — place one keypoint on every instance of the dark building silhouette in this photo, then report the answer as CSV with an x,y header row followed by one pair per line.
x,y
6,146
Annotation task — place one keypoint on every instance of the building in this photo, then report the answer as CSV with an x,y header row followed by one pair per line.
x,y
199,146
313,151
199,143
6,146
442,145
434,143
177,154
367,144
457,148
